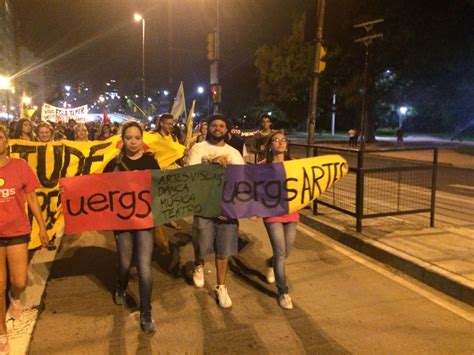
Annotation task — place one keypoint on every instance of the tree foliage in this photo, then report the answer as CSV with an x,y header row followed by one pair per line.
x,y
284,72
423,61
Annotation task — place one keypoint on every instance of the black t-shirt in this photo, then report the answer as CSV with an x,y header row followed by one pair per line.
x,y
237,143
145,162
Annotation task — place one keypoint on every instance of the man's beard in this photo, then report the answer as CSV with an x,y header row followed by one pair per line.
x,y
216,139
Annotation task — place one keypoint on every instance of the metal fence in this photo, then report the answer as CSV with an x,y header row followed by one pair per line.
x,y
377,184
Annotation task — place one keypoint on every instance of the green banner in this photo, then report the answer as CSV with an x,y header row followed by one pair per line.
x,y
193,190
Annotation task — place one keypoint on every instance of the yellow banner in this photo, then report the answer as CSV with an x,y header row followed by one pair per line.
x,y
54,160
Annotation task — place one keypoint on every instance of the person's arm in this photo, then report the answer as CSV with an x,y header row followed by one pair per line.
x,y
195,156
33,203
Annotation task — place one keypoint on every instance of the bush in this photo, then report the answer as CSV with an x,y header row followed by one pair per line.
x,y
387,131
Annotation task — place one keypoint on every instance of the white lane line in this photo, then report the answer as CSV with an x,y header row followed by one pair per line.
x,y
400,280
467,187
21,331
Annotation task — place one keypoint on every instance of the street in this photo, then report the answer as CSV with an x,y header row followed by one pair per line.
x,y
344,303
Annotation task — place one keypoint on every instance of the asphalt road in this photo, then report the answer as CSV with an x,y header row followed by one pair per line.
x,y
344,303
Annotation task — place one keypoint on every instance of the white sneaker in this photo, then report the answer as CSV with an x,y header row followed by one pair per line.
x,y
285,301
198,276
270,275
223,297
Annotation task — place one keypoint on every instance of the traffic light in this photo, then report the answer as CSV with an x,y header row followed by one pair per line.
x,y
216,93
211,46
322,64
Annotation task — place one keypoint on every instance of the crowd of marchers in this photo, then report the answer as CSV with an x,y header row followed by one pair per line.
x,y
214,141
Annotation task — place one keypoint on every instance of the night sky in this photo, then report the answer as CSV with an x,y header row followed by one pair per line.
x,y
50,27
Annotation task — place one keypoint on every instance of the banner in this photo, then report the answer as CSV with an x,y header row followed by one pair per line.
x,y
54,160
195,189
238,191
57,114
267,190
111,201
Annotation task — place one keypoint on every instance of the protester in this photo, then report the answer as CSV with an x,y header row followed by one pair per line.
x,y
24,130
201,136
165,129
17,186
45,132
69,130
81,133
352,137
91,128
399,133
281,229
105,132
138,242
215,235
12,128
261,137
237,143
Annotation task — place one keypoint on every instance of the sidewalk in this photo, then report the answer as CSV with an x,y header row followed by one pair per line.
x,y
442,257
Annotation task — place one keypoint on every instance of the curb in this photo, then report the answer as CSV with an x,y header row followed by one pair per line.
x,y
427,273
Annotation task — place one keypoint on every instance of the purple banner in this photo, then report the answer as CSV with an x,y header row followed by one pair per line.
x,y
246,184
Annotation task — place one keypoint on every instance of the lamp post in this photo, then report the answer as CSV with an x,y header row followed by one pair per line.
x,y
137,17
402,111
367,41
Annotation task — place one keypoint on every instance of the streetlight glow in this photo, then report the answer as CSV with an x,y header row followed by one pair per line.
x,y
166,92
67,87
137,17
4,82
26,100
403,110
200,89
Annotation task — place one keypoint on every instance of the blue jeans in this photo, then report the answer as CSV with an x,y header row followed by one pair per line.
x,y
142,242
211,235
282,236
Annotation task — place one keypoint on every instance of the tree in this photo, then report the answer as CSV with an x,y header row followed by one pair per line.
x,y
285,73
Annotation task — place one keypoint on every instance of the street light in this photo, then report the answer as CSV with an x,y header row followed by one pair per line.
x,y
137,17
5,83
402,112
200,90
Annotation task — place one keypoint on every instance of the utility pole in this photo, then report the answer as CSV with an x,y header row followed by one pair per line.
x,y
215,64
316,71
367,41
170,44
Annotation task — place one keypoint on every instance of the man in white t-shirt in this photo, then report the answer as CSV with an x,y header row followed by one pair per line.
x,y
215,235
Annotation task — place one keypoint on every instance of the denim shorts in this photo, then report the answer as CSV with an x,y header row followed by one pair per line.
x,y
8,241
210,235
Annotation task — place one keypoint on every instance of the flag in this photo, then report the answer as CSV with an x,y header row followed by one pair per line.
x,y
179,105
106,118
189,125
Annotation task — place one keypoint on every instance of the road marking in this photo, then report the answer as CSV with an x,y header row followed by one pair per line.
x,y
21,331
392,276
468,187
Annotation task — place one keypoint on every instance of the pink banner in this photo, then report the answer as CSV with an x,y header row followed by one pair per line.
x,y
110,201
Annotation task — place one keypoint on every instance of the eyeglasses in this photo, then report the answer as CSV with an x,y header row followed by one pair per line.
x,y
279,140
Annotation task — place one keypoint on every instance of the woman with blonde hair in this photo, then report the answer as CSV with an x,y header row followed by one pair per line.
x,y
81,133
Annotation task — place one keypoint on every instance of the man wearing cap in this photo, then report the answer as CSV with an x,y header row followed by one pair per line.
x,y
215,235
